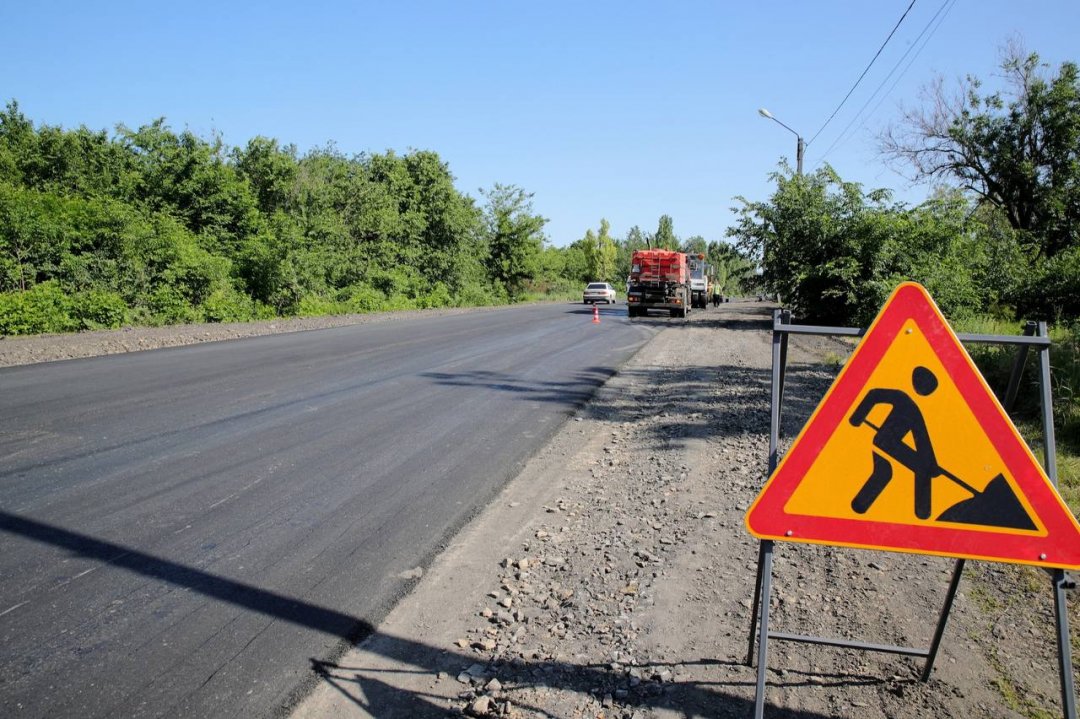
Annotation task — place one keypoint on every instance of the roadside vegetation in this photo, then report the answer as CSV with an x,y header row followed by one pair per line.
x,y
997,242
152,226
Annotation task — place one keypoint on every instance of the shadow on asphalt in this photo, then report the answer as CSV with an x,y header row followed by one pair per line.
x,y
426,659
694,413
804,387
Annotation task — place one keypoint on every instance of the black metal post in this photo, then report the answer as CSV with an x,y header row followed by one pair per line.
x,y
1047,408
785,318
777,372
1061,613
954,584
778,353
754,606
763,635
1018,369
1060,579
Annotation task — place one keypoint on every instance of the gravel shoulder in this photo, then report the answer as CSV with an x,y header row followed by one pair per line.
x,y
614,576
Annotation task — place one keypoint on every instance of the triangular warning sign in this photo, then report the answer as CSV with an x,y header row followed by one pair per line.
x,y
910,451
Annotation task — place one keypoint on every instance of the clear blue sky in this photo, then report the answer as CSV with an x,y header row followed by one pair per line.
x,y
624,110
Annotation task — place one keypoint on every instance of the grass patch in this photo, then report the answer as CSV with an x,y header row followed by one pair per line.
x,y
833,360
1014,697
979,594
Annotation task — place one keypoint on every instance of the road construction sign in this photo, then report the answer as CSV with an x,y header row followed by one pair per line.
x,y
910,451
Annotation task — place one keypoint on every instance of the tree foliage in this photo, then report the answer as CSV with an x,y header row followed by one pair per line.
x,y
171,227
516,238
1016,150
834,252
665,238
150,225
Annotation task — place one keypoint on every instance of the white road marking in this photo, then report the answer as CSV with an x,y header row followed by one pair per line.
x,y
12,609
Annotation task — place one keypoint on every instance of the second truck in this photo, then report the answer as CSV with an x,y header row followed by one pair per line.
x,y
660,280
699,281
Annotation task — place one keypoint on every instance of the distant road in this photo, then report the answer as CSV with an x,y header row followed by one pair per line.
x,y
182,531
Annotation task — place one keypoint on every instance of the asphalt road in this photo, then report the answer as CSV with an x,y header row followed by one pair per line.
x,y
183,531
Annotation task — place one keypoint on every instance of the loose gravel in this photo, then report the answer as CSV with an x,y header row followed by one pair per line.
x,y
614,577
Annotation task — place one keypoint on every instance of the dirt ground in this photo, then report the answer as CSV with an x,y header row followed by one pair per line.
x,y
614,577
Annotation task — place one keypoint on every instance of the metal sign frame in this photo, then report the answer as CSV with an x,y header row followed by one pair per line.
x,y
1035,335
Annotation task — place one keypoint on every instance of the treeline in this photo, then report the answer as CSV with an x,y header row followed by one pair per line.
x,y
153,226
1000,237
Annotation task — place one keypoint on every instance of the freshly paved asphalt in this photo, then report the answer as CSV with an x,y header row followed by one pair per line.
x,y
183,531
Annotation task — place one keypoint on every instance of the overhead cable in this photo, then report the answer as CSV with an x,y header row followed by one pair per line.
x,y
942,11
863,72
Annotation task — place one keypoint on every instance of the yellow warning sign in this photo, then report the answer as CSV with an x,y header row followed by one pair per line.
x,y
910,450
901,453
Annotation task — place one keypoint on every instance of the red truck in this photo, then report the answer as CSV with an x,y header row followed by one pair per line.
x,y
659,279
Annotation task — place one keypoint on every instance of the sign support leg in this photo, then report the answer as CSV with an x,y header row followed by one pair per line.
x,y
1060,578
954,584
754,606
785,318
779,360
779,352
763,631
1068,691
1018,369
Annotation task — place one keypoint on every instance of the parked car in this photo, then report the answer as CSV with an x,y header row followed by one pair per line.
x,y
598,292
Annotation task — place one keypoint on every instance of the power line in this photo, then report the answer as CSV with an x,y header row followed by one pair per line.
x,y
942,11
863,72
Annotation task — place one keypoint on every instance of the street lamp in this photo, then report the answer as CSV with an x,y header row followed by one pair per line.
x,y
798,148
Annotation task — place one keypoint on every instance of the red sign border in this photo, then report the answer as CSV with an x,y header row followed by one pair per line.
x,y
766,518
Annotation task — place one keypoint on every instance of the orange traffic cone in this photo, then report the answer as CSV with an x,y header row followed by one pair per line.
x,y
595,315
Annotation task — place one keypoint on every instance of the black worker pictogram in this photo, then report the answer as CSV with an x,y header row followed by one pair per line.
x,y
995,505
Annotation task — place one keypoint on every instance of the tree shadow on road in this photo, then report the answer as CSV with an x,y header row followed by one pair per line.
x,y
679,403
378,694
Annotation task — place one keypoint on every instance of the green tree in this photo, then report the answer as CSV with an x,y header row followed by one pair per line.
x,y
733,272
635,240
601,253
1018,149
833,252
696,245
515,237
270,170
191,178
665,234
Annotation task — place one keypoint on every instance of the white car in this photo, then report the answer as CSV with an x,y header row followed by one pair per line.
x,y
598,292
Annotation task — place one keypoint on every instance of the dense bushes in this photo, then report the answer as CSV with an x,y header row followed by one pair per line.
x,y
834,253
155,227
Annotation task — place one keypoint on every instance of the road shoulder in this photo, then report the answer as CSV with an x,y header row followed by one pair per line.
x,y
613,577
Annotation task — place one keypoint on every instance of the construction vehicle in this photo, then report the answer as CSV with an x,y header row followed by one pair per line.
x,y
699,281
659,280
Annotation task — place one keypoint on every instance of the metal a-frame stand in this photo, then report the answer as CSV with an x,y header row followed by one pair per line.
x,y
1035,335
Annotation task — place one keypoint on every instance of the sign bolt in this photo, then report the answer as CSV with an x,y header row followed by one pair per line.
x,y
788,533
1042,556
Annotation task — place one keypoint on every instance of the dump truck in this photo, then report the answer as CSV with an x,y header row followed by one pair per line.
x,y
659,280
699,281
